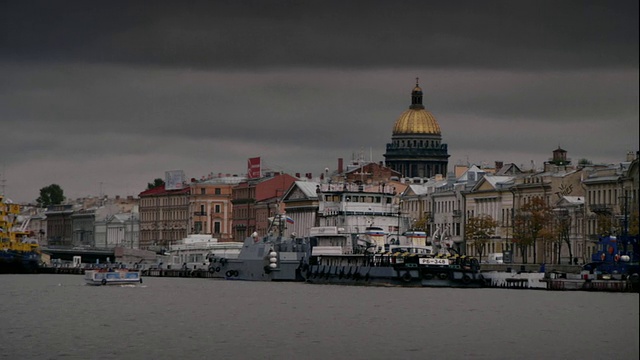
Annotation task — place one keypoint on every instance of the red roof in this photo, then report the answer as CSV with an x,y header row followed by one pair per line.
x,y
159,190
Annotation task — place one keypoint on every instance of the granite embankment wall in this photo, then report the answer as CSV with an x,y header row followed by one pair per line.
x,y
563,268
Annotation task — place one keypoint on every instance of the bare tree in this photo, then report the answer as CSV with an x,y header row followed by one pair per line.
x,y
530,224
520,235
562,231
480,229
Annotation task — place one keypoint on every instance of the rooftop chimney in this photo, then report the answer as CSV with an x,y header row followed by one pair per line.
x,y
340,165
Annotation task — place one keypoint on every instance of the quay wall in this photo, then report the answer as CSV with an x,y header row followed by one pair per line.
x,y
529,268
562,268
146,272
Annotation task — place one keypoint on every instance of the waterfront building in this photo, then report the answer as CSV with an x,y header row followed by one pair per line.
x,y
361,171
122,230
568,221
83,221
490,195
211,210
301,204
447,204
611,199
255,201
59,225
415,203
164,217
437,205
113,226
416,148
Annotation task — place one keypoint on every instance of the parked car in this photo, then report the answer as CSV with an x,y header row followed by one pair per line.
x,y
494,258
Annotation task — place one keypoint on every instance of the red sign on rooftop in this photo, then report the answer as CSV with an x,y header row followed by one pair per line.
x,y
253,168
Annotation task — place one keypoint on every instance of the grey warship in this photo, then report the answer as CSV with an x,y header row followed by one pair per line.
x,y
269,258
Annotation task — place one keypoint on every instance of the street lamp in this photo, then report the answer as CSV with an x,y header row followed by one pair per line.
x,y
625,213
399,214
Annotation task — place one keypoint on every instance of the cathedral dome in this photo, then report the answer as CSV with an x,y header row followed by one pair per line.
x,y
416,120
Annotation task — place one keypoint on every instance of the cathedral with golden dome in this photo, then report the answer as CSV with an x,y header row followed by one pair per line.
x,y
416,148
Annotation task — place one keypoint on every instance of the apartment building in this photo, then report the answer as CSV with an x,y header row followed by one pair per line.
x,y
164,217
210,206
255,201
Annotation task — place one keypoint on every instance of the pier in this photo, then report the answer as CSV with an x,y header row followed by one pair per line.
x,y
189,273
180,273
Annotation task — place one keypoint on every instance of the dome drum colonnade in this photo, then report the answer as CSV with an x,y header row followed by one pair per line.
x,y
416,148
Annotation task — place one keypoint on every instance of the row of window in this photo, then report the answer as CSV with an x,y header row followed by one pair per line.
x,y
216,191
163,201
359,199
608,196
172,215
217,208
416,143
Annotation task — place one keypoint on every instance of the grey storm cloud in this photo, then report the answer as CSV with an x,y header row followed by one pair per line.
x,y
115,93
238,34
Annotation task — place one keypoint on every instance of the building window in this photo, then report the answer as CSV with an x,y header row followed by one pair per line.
x,y
203,191
217,209
197,227
216,227
218,191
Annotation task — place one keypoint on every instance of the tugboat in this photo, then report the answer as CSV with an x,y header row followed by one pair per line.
x,y
19,253
403,264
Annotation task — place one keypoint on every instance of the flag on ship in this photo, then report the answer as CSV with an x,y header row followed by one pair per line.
x,y
276,220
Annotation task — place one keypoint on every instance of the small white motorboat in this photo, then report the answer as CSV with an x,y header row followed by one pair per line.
x,y
112,277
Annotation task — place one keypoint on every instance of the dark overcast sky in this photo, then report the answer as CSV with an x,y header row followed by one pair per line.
x,y
107,96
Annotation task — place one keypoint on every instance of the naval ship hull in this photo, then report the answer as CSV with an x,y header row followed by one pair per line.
x,y
394,276
18,262
265,259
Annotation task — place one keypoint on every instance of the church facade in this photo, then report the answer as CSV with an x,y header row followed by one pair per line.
x,y
416,148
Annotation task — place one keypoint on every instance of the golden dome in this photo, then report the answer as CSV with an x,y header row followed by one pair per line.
x,y
416,121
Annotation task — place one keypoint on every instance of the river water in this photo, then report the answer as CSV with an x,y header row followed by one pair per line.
x,y
58,317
